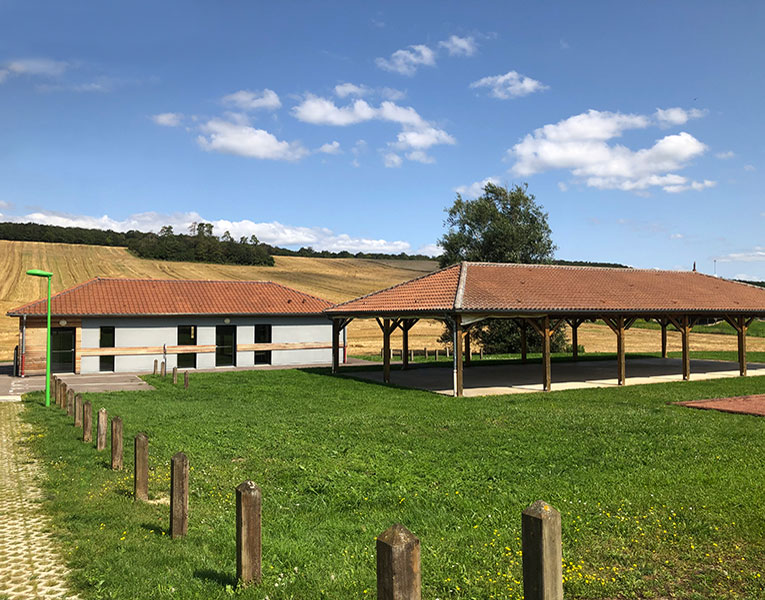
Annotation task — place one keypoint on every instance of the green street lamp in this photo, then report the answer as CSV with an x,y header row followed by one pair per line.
x,y
39,273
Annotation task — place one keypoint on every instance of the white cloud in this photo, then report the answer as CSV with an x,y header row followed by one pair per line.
x,y
510,85
677,116
725,155
757,254
330,148
423,137
392,93
248,100
581,145
274,233
475,189
406,62
4,74
420,156
749,168
429,250
562,186
321,111
392,160
37,66
458,46
351,89
167,119
243,140
676,236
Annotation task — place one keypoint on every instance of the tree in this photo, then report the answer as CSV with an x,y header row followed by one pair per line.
x,y
502,225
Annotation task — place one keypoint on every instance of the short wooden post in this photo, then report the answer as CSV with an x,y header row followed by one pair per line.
x,y
398,564
101,430
116,444
425,350
155,366
70,403
179,496
54,388
78,410
186,380
62,390
542,552
436,354
480,352
87,422
175,375
163,370
141,476
248,546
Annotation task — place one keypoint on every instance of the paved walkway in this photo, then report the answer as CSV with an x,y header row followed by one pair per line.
x,y
30,559
488,380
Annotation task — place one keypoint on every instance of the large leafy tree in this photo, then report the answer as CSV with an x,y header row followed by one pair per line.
x,y
502,225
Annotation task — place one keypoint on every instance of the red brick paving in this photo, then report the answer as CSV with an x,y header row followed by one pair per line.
x,y
745,405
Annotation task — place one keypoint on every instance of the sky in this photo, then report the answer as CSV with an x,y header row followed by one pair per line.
x,y
638,126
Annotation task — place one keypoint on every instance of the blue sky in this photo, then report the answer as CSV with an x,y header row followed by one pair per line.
x,y
350,125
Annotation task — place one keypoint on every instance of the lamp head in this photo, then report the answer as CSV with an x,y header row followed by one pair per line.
x,y
39,273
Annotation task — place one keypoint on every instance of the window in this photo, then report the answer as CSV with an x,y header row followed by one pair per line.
x,y
106,340
187,336
262,336
225,345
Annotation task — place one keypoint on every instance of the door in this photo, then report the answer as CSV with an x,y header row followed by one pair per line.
x,y
62,349
225,345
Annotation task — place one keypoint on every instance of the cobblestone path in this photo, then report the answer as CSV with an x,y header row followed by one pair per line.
x,y
30,560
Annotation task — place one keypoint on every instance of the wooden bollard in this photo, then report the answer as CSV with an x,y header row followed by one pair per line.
x,y
398,564
141,461
447,352
248,547
87,422
425,351
60,391
481,352
78,410
542,552
175,375
116,444
101,430
163,369
186,380
179,495
155,366
56,391
70,403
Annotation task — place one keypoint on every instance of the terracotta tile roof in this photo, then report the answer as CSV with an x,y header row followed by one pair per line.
x,y
434,292
123,297
513,288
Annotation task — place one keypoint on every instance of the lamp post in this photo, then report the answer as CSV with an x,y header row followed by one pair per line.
x,y
39,273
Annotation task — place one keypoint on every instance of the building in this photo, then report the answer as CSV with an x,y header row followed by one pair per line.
x,y
124,325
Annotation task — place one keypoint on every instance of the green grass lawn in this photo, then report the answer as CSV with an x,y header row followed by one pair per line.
x,y
756,329
657,500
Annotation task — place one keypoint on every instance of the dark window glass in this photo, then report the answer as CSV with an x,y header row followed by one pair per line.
x,y
106,363
187,336
107,337
62,349
225,345
262,334
263,357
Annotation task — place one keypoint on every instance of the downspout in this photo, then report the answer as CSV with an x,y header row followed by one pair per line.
x,y
23,343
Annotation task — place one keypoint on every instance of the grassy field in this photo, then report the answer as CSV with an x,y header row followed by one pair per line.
x,y
657,501
756,329
333,279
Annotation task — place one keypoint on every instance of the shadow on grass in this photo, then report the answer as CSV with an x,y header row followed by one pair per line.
x,y
218,577
157,530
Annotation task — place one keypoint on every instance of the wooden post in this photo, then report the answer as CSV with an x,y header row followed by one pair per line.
x,y
447,352
468,353
480,352
179,496
398,564
386,350
524,343
175,375
141,475
54,388
164,369
335,345
116,444
186,380
70,403
436,354
546,371
404,345
101,430
425,352
621,363
457,358
62,389
155,366
78,410
87,422
686,334
542,552
663,323
574,338
248,542
741,329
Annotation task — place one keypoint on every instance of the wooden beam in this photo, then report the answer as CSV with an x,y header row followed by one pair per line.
x,y
546,371
574,324
741,329
457,352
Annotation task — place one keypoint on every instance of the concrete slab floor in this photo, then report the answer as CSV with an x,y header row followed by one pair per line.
x,y
489,380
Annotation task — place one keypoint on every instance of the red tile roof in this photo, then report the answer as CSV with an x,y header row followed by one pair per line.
x,y
155,297
542,289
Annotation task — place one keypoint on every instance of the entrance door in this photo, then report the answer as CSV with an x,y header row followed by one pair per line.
x,y
62,349
225,345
